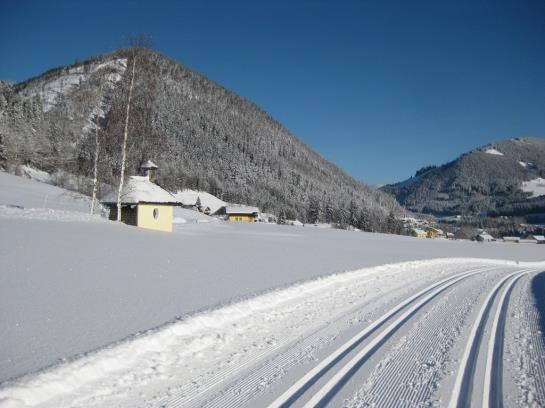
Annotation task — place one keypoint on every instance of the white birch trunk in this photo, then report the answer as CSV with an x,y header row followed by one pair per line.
x,y
124,147
97,153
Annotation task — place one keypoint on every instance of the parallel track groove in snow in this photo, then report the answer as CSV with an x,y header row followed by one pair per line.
x,y
201,396
462,390
524,351
299,388
409,372
386,337
259,370
492,390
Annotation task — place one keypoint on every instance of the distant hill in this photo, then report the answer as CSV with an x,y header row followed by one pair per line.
x,y
201,135
497,179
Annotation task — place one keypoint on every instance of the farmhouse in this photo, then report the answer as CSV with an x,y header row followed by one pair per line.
x,y
242,213
433,232
539,239
419,233
200,200
143,203
485,237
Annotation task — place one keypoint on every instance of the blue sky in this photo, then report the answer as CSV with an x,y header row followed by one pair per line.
x,y
381,88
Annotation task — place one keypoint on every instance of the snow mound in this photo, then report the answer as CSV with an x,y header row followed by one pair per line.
x,y
536,187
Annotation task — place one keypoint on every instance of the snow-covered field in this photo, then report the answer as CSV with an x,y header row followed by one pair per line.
x,y
94,313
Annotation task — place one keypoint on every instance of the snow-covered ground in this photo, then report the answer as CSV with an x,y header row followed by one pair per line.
x,y
380,336
222,314
185,215
536,187
22,192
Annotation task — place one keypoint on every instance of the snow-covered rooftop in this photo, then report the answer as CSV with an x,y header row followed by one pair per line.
x,y
539,237
139,189
189,198
149,165
486,236
241,209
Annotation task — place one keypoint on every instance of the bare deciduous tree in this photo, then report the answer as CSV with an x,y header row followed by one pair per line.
x,y
124,145
97,151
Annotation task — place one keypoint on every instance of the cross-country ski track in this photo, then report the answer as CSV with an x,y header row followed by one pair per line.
x,y
423,333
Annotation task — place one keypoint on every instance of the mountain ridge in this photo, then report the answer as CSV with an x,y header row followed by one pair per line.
x,y
487,179
200,134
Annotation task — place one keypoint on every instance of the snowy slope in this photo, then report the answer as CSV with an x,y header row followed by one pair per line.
x,y
51,90
27,193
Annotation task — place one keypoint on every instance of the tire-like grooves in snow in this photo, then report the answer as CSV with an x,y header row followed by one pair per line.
x,y
462,390
299,388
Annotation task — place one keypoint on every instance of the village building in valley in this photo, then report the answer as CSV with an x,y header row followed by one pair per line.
x,y
240,213
143,203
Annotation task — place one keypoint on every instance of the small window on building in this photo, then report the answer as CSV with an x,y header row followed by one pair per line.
x,y
156,213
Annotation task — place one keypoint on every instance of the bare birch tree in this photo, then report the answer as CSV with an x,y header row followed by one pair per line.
x,y
125,137
97,152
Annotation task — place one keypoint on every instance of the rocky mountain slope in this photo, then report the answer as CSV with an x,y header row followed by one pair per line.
x,y
502,178
201,135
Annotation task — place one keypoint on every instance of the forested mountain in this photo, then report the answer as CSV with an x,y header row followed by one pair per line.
x,y
495,179
201,135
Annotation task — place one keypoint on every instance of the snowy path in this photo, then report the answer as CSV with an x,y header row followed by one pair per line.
x,y
410,334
